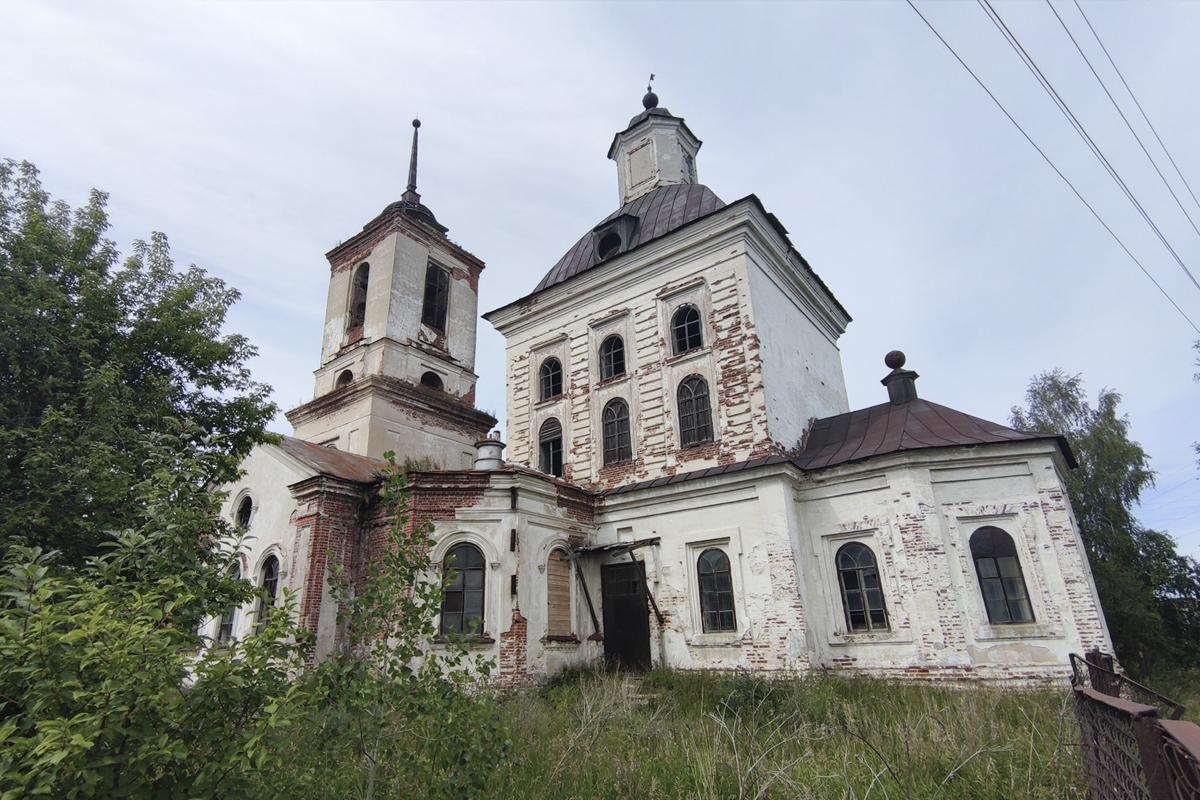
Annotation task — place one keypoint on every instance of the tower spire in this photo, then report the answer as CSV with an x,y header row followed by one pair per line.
x,y
410,194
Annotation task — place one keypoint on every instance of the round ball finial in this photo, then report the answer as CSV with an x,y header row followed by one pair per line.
x,y
416,123
894,359
650,101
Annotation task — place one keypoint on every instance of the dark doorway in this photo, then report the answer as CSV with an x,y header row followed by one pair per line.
x,y
626,617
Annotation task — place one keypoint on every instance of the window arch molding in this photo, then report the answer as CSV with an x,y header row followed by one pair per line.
x,y
490,555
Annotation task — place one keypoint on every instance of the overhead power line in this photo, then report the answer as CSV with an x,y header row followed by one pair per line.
x,y
1048,87
1052,165
1124,119
1138,104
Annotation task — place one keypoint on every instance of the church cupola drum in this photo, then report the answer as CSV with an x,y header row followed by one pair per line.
x,y
655,149
398,348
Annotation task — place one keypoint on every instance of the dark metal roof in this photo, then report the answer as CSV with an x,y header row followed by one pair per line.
x,y
895,427
658,213
875,431
333,462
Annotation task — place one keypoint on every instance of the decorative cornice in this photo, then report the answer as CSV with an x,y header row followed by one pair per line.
x,y
406,395
395,220
709,234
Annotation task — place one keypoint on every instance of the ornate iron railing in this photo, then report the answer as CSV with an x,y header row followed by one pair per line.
x,y
1129,751
1097,671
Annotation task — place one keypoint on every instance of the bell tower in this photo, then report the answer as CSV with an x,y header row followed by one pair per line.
x,y
398,351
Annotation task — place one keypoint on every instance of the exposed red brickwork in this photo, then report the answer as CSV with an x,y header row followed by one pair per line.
x,y
438,495
577,504
330,512
514,646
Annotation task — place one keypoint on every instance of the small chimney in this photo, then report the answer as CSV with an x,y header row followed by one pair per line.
x,y
489,452
901,383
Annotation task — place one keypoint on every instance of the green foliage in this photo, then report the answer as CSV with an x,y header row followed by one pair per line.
x,y
95,355
1149,591
719,735
106,689
392,714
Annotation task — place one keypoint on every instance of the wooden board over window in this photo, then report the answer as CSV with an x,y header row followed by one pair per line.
x,y
558,594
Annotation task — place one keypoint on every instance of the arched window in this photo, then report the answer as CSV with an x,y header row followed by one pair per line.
x,y
615,420
432,380
268,590
345,379
1000,578
550,379
245,510
695,412
550,456
716,592
686,332
862,593
612,357
437,297
225,626
558,594
358,296
462,599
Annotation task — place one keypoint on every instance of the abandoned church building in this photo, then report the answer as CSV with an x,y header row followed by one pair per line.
x,y
682,482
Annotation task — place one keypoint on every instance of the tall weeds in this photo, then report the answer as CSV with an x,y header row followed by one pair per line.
x,y
699,735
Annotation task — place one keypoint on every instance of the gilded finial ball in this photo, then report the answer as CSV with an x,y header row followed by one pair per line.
x,y
894,359
416,123
650,101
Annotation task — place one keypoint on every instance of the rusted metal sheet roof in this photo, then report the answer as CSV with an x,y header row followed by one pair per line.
x,y
333,462
892,428
658,212
875,431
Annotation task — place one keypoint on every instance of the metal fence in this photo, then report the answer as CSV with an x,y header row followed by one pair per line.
x,y
1130,751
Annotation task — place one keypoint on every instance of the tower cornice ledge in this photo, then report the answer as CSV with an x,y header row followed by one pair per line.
x,y
393,219
418,399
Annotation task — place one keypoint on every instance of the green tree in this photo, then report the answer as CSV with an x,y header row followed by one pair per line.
x,y
94,356
397,710
106,688
1146,587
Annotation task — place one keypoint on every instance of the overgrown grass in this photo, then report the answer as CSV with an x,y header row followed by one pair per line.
x,y
707,735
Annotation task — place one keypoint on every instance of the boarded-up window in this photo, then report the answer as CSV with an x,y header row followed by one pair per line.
x,y
558,594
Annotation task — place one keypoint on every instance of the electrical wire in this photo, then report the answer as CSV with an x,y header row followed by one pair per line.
x,y
1046,85
1138,104
1052,165
1124,119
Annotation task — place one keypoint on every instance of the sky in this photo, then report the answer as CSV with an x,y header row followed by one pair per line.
x,y
259,135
